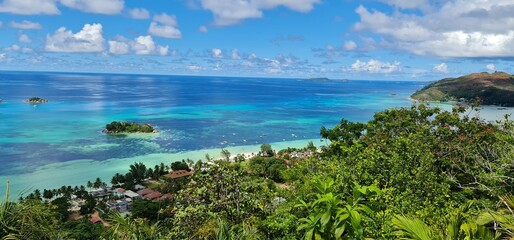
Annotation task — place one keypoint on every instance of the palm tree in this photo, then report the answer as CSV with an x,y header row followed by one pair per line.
x,y
29,219
503,218
138,172
134,229
457,229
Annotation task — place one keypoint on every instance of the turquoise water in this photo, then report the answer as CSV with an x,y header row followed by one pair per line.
x,y
61,143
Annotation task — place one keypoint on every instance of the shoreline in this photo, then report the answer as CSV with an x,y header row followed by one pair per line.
x,y
78,172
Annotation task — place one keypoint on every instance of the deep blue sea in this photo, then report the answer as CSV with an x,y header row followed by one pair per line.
x,y
41,144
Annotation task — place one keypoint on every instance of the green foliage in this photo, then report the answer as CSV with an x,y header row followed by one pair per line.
x,y
332,218
225,154
128,127
89,205
82,229
180,165
493,89
61,207
145,209
28,219
266,150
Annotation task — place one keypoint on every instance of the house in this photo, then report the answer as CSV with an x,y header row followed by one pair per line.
x,y
144,192
178,174
120,205
118,192
153,196
131,195
167,196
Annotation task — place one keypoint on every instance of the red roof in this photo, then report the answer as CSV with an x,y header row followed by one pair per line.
x,y
179,174
145,191
153,195
166,196
120,190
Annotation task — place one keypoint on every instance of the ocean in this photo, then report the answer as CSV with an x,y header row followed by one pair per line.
x,y
61,142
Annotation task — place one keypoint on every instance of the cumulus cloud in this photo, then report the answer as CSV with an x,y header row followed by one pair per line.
x,y
165,26
95,6
375,66
29,7
229,12
194,68
118,47
350,45
163,51
144,45
27,25
441,68
235,54
17,48
24,38
490,67
139,13
89,39
454,28
216,53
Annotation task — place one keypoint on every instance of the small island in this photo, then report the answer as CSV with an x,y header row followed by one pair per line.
x,y
491,88
36,100
128,127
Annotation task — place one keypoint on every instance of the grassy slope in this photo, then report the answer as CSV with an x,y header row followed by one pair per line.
x,y
494,89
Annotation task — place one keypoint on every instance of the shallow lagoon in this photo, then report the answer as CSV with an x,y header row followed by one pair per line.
x,y
61,143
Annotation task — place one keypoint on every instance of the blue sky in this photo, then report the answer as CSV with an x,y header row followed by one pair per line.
x,y
343,39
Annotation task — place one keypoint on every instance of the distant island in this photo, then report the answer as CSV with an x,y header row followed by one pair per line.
x,y
36,100
491,88
129,127
326,79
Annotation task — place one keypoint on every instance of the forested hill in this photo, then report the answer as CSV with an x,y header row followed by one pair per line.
x,y
493,89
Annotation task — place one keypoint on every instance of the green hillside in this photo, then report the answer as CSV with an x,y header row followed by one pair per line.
x,y
493,89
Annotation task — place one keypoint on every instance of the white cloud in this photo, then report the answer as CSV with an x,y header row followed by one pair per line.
x,y
165,26
217,53
118,48
350,45
89,39
194,68
453,28
408,4
29,7
144,45
235,54
27,25
95,6
490,67
139,13
375,66
229,12
203,29
441,68
16,48
24,38
163,51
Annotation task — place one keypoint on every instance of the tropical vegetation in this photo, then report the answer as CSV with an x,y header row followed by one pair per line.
x,y
408,173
